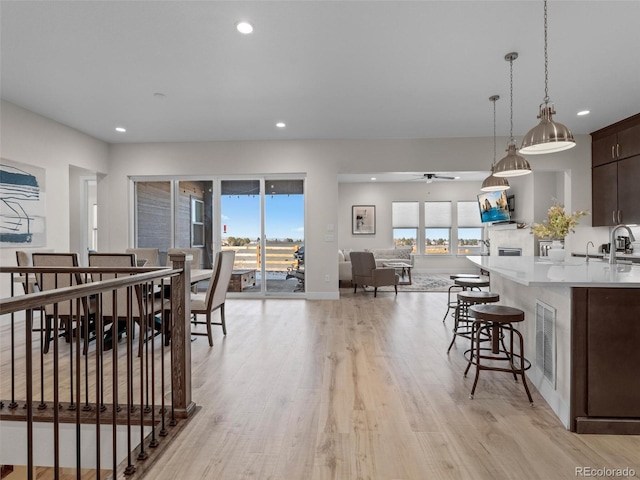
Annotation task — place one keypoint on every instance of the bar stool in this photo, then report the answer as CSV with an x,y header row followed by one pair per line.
x,y
451,305
461,315
496,320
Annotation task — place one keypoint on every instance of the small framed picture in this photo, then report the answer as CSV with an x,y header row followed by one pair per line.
x,y
363,220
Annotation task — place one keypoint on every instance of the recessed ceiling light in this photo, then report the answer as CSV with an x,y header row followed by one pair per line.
x,y
373,179
121,129
281,124
583,112
244,27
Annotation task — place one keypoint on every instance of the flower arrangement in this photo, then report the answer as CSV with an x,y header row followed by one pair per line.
x,y
558,224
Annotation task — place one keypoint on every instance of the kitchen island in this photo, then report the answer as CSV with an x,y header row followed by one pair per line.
x,y
582,336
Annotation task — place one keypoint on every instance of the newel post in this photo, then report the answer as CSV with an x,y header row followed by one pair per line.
x,y
181,336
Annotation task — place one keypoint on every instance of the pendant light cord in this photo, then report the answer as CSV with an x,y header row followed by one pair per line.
x,y
512,140
493,99
546,58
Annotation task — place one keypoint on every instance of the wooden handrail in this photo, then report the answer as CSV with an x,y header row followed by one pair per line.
x,y
35,300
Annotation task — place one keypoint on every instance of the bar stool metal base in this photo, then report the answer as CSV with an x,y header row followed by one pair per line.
x,y
462,326
451,304
497,321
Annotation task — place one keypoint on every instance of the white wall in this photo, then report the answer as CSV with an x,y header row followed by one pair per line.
x,y
35,140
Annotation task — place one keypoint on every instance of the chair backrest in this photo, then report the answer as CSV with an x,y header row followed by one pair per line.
x,y
362,263
124,260
222,269
151,255
28,280
51,281
22,258
196,252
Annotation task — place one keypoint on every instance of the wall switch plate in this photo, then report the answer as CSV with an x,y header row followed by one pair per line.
x,y
326,278
329,238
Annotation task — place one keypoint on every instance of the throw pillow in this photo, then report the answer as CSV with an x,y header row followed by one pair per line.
x,y
404,253
340,256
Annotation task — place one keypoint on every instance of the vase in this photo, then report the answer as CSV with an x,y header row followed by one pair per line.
x,y
556,251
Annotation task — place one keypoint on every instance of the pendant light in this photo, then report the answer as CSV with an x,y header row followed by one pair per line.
x,y
548,136
493,183
513,164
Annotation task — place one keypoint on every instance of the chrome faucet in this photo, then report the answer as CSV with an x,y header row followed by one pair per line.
x,y
612,240
588,249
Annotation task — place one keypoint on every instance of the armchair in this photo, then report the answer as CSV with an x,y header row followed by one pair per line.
x,y
364,272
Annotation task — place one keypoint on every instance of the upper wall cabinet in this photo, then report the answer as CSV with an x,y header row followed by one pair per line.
x,y
615,142
615,153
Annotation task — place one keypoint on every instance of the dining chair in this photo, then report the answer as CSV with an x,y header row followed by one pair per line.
x,y
143,307
28,281
195,262
151,255
214,298
68,311
195,252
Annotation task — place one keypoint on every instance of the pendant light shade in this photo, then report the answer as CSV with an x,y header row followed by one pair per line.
x,y
493,183
548,136
512,165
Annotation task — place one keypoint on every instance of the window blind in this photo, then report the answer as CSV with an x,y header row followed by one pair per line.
x,y
437,214
405,214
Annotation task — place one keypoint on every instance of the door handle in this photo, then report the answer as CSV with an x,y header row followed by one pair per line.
x,y
618,150
619,220
613,216
612,154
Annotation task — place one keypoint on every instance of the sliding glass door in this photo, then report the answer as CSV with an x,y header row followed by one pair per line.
x,y
260,218
284,235
175,214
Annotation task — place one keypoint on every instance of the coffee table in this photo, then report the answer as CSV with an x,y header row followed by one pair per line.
x,y
405,269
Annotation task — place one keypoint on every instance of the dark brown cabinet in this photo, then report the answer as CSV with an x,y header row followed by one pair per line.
x,y
605,357
616,192
615,154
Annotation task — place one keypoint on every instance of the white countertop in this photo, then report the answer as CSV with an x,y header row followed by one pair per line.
x,y
572,272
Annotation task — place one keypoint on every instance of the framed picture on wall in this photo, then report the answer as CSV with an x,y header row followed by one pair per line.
x,y
363,220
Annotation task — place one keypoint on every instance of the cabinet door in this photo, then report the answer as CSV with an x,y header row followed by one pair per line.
x,y
604,198
613,336
629,142
603,150
629,189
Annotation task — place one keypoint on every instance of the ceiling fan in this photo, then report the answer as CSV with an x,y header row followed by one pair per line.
x,y
429,177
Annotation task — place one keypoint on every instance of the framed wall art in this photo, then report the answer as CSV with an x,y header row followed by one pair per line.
x,y
363,219
22,205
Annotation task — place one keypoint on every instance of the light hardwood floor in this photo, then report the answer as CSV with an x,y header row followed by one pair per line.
x,y
362,388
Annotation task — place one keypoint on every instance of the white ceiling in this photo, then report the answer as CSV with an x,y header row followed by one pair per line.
x,y
329,69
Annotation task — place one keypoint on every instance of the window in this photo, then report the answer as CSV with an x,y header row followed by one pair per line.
x,y
469,229
437,232
197,222
405,217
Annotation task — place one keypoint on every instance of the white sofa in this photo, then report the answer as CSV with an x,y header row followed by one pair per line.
x,y
382,255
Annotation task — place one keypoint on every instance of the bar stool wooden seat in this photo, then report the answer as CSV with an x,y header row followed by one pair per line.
x,y
496,321
451,304
471,283
463,324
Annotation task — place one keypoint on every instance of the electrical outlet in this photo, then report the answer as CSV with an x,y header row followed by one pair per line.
x,y
326,278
